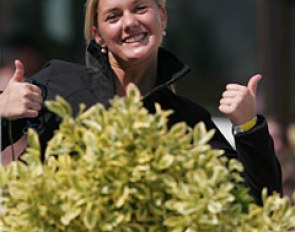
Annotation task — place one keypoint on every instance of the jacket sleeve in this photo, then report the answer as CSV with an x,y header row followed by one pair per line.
x,y
11,131
256,152
254,149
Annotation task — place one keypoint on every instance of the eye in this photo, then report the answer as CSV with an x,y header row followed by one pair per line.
x,y
112,17
140,8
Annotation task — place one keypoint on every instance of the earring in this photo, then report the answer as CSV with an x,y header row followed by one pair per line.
x,y
164,33
103,50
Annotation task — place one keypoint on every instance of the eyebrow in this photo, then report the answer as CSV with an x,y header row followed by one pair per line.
x,y
132,3
111,9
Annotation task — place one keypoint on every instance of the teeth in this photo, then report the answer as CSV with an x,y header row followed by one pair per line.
x,y
135,39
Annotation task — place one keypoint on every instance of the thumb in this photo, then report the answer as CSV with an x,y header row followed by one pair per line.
x,y
253,82
19,71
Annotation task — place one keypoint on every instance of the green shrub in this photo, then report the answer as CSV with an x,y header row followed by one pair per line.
x,y
122,170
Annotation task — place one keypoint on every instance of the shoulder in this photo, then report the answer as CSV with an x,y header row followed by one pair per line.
x,y
55,68
70,79
61,66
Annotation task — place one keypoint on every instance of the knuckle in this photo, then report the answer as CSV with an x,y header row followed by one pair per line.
x,y
245,91
22,111
37,106
227,86
25,103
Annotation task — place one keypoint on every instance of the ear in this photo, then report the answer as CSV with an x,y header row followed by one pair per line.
x,y
98,38
163,17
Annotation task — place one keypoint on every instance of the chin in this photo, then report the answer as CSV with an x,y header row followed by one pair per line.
x,y
144,54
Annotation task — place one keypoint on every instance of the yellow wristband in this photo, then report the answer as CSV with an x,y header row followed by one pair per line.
x,y
249,125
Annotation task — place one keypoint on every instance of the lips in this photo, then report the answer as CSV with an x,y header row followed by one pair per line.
x,y
135,39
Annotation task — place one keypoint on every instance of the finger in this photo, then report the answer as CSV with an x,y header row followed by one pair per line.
x,y
225,101
31,114
36,97
225,109
30,109
35,89
253,82
234,87
230,93
19,71
231,100
28,113
35,106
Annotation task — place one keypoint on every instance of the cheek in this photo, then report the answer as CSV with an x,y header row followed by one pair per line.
x,y
156,22
111,32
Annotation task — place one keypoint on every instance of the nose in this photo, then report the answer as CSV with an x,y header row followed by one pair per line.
x,y
130,22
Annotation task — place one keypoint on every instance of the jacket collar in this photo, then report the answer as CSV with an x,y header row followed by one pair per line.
x,y
170,69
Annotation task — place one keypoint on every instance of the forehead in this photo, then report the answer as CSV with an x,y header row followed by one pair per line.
x,y
110,4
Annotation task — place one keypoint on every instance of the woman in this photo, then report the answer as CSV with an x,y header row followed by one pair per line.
x,y
123,48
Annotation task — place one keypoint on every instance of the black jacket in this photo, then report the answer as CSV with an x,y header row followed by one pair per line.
x,y
96,83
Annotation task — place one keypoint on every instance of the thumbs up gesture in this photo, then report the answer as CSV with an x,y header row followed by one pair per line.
x,y
238,102
20,99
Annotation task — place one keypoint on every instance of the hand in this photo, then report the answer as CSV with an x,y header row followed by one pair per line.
x,y
238,102
20,99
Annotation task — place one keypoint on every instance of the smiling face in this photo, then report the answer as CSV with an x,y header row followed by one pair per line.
x,y
130,29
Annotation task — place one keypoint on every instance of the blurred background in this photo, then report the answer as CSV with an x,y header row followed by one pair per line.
x,y
222,41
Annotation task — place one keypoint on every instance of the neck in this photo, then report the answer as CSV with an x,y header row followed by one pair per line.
x,y
142,75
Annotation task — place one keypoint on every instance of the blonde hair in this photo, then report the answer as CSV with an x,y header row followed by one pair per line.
x,y
91,17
